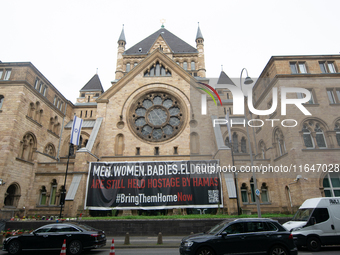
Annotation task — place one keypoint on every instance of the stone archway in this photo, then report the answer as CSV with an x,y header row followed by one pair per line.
x,y
12,195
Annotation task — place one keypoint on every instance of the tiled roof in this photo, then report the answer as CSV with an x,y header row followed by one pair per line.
x,y
176,44
93,85
224,79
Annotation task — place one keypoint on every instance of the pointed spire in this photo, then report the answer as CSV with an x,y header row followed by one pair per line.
x,y
199,33
122,35
224,79
93,84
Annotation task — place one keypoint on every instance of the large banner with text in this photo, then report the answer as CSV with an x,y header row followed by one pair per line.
x,y
153,185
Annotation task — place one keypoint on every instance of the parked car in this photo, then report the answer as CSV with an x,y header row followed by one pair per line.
x,y
316,223
241,236
51,237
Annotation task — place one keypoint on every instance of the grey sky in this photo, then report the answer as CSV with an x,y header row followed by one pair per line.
x,y
68,40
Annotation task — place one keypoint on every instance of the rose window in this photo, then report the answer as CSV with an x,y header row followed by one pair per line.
x,y
157,116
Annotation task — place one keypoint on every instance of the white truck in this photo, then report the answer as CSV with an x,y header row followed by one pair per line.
x,y
316,223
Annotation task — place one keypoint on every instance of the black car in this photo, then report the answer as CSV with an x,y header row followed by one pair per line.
x,y
241,236
51,237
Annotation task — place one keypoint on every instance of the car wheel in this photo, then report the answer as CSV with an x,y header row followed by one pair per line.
x,y
313,244
205,251
75,247
14,247
278,250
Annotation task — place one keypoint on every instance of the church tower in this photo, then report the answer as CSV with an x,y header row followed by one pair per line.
x,y
121,49
200,49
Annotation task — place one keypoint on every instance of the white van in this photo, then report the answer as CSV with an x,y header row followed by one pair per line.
x,y
316,223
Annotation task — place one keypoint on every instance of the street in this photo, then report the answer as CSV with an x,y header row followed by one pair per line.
x,y
174,251
167,251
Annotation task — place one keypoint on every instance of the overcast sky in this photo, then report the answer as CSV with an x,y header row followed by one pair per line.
x,y
68,40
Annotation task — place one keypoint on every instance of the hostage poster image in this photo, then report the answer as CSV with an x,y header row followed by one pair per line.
x,y
153,185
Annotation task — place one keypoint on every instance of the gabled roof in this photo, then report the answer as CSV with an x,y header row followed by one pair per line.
x,y
224,79
93,85
176,44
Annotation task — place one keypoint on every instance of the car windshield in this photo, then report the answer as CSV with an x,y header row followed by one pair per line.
x,y
303,214
216,229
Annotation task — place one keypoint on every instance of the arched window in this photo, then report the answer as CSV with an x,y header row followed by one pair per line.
x,y
12,195
128,67
238,146
152,71
185,65
307,137
43,197
243,145
227,142
313,135
264,193
279,142
157,69
27,147
235,142
53,196
337,133
320,137
2,98
193,65
244,193
331,185
162,71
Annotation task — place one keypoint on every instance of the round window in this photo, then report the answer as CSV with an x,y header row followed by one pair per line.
x,y
156,116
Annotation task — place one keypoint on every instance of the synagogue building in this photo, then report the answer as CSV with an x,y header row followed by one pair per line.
x,y
158,139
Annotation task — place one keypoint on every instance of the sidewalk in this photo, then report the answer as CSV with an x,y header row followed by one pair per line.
x,y
144,242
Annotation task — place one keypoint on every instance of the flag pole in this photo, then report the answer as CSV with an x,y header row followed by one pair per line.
x,y
74,140
233,162
63,194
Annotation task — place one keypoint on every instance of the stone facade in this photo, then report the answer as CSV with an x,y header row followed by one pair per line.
x,y
36,121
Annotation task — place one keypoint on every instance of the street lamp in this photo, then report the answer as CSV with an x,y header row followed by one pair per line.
x,y
247,81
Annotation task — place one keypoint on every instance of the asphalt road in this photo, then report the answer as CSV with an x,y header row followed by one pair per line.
x,y
168,251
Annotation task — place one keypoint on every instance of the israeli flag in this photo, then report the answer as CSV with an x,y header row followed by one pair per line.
x,y
76,129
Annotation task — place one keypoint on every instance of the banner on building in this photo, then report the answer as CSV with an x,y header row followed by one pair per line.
x,y
153,185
